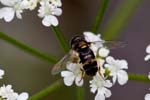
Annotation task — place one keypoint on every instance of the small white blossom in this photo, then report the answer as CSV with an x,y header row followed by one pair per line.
x,y
2,72
23,96
49,12
12,7
147,96
147,51
103,52
6,92
100,85
116,68
73,73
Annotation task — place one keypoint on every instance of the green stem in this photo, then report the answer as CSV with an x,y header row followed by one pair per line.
x,y
80,93
80,90
119,19
100,15
43,93
138,77
27,48
61,38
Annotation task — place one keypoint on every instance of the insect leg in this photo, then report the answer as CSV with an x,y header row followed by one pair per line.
x,y
83,74
99,70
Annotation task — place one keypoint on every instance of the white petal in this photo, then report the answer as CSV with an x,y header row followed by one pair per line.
x,y
66,73
24,4
114,79
110,60
108,83
1,73
122,77
23,96
99,96
103,52
93,89
57,12
147,97
7,13
123,64
78,81
68,77
69,80
50,20
71,66
148,49
8,2
91,37
18,14
147,57
107,93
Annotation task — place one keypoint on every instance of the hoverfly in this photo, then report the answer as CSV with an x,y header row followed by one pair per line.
x,y
82,53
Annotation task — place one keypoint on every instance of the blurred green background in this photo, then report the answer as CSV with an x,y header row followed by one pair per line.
x,y
28,73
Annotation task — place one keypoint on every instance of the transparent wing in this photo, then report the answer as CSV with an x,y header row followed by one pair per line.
x,y
110,44
61,65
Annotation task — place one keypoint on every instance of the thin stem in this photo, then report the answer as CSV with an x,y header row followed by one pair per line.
x,y
119,19
80,90
43,93
61,38
80,93
139,78
100,15
27,48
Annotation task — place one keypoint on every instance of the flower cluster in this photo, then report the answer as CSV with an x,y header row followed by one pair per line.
x,y
147,57
111,70
48,10
147,51
7,93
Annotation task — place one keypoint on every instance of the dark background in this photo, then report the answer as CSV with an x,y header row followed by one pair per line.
x,y
28,73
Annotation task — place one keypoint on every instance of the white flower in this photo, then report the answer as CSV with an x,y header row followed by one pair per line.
x,y
147,51
147,96
72,74
23,96
116,68
103,52
1,73
6,92
12,7
100,85
49,12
